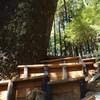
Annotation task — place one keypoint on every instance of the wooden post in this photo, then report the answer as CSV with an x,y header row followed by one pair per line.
x,y
11,91
45,86
64,71
64,76
26,72
85,71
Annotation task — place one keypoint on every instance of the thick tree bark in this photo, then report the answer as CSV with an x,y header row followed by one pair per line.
x,y
27,24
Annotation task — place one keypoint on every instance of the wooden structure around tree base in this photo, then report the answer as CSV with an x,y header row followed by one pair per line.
x,y
60,84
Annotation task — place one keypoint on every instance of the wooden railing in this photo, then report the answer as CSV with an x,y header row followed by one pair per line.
x,y
63,60
73,67
55,71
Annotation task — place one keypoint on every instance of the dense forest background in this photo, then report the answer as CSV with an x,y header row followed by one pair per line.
x,y
75,28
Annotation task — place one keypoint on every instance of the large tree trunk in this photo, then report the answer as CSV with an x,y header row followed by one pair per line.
x,y
25,28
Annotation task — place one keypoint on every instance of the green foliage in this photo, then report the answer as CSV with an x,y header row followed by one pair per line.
x,y
78,32
70,7
80,20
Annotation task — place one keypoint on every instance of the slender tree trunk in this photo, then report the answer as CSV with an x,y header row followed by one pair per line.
x,y
65,47
65,8
88,46
80,48
76,51
55,50
60,39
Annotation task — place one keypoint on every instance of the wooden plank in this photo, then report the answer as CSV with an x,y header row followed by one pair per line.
x,y
89,60
69,90
90,65
20,87
50,66
57,65
28,83
61,60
